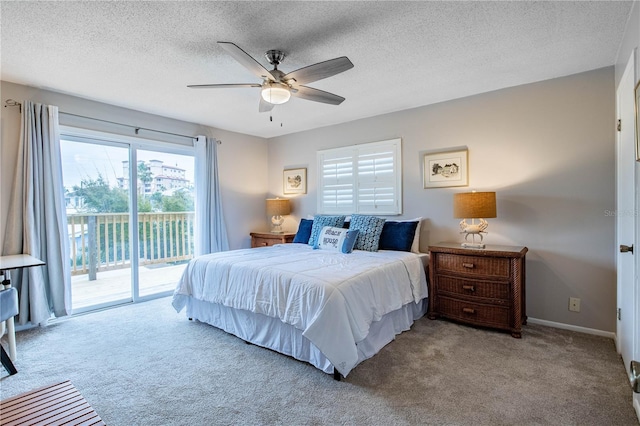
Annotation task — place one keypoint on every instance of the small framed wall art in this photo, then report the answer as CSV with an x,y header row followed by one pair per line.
x,y
295,181
443,169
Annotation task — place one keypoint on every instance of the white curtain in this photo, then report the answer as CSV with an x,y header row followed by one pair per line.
x,y
210,228
37,222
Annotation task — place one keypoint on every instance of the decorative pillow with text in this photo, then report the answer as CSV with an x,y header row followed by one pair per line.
x,y
319,222
336,239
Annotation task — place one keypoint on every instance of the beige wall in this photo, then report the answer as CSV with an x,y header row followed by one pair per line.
x,y
547,149
242,158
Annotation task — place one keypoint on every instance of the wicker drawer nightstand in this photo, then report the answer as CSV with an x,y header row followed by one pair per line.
x,y
482,287
263,239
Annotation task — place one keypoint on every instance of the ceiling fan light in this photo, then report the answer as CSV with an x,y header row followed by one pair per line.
x,y
275,93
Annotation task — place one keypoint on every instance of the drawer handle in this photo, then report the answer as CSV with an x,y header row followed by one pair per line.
x,y
469,288
468,265
265,244
468,310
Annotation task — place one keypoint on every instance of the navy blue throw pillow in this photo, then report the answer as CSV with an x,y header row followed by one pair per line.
x,y
397,236
304,231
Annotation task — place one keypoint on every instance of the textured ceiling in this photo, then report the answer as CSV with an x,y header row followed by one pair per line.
x,y
142,55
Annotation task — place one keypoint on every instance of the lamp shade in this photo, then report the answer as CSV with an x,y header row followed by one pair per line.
x,y
275,93
474,205
278,206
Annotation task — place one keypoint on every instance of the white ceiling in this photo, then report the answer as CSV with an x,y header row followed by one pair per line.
x,y
142,55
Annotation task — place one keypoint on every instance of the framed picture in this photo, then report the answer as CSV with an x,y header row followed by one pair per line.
x,y
443,169
295,181
638,121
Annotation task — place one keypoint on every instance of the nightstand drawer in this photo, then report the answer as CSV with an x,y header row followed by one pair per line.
x,y
475,313
263,242
474,288
474,265
266,239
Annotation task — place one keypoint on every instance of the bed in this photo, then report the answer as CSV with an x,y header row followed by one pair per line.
x,y
328,308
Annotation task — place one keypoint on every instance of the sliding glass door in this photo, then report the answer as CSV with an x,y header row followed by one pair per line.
x,y
130,228
165,219
98,214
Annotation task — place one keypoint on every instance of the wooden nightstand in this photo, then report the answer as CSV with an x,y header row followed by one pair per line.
x,y
263,239
482,287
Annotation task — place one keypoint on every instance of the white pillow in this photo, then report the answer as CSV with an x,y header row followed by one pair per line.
x,y
415,246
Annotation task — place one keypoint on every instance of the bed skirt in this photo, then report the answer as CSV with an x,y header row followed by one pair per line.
x,y
272,333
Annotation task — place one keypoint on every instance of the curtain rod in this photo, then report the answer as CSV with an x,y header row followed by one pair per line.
x,y
136,128
11,103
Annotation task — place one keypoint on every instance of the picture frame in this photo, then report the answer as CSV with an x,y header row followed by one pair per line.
x,y
446,169
637,123
294,181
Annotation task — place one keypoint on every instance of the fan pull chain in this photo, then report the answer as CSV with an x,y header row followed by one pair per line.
x,y
271,119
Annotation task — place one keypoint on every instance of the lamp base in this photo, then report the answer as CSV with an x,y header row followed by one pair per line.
x,y
473,229
276,224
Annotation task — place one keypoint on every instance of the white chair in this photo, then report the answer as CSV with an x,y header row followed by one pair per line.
x,y
8,309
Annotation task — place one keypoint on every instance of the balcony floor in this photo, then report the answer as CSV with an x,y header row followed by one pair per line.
x,y
115,285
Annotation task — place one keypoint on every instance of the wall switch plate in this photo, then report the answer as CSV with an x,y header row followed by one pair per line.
x,y
574,304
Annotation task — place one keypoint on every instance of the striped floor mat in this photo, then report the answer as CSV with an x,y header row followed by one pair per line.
x,y
59,404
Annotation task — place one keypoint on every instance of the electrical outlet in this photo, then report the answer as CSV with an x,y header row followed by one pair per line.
x,y
574,304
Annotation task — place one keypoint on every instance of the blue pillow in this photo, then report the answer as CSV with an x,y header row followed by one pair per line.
x,y
336,239
370,228
319,222
397,235
304,231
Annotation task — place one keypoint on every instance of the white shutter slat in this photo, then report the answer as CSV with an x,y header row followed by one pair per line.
x,y
376,165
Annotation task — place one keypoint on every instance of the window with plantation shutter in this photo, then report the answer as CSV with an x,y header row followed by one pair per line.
x,y
365,179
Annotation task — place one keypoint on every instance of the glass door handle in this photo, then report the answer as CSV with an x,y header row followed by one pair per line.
x,y
634,376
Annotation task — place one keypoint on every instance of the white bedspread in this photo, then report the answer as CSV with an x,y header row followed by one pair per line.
x,y
332,297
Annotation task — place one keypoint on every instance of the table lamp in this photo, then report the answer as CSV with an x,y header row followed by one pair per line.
x,y
474,205
276,208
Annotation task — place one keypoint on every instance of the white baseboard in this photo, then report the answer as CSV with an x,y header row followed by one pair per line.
x,y
579,329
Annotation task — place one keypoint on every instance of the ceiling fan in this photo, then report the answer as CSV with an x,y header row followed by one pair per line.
x,y
277,87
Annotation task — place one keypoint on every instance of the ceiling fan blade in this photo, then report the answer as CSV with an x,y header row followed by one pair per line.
x,y
246,60
316,95
222,86
320,70
265,106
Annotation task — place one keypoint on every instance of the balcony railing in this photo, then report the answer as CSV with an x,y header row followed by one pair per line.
x,y
100,241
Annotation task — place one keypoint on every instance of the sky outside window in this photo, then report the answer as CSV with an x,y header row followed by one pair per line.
x,y
86,161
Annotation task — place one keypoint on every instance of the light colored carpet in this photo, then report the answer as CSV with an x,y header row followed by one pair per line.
x,y
146,365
